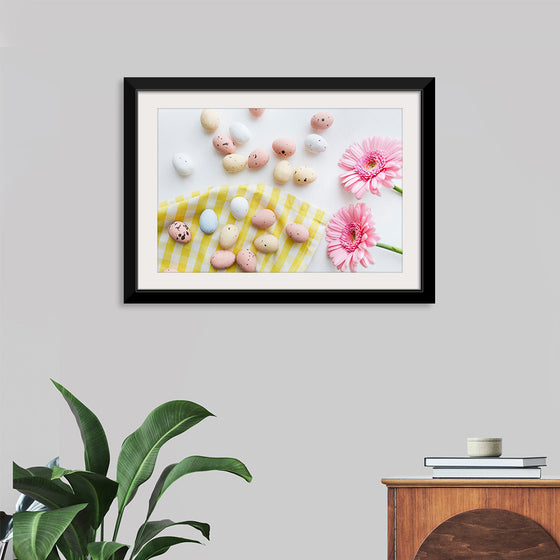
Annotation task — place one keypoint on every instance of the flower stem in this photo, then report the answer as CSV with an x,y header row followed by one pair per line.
x,y
389,248
398,189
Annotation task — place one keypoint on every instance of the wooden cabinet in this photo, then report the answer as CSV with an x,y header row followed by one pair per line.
x,y
508,518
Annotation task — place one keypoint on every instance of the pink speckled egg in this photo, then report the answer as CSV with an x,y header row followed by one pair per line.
x,y
247,260
263,219
321,121
224,144
222,259
258,158
180,232
284,147
256,112
297,233
170,270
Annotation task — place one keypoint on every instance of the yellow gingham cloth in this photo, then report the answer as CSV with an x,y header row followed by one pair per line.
x,y
195,255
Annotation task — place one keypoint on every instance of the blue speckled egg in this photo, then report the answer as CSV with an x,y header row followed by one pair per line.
x,y
208,221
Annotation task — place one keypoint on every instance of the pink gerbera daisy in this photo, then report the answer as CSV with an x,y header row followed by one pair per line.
x,y
376,161
350,233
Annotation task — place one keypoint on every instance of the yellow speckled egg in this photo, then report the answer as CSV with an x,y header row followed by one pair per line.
x,y
266,243
209,120
304,175
234,163
229,236
282,172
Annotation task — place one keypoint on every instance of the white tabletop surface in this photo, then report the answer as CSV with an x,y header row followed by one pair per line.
x,y
179,130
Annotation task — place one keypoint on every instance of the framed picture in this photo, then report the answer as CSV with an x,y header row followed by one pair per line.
x,y
279,190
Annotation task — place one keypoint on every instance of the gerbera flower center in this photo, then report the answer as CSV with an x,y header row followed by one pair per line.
x,y
351,236
371,164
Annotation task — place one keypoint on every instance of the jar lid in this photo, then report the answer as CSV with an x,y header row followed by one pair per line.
x,y
492,439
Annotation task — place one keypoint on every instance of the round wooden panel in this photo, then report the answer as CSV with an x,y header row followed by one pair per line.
x,y
488,534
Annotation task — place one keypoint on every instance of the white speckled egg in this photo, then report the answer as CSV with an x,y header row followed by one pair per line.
x,y
247,260
256,112
266,243
239,207
224,144
180,232
208,221
263,218
258,158
222,259
282,172
239,132
284,147
315,143
182,164
234,163
298,233
209,120
321,121
228,236
304,175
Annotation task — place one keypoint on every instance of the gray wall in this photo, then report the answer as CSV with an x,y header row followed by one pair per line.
x,y
368,391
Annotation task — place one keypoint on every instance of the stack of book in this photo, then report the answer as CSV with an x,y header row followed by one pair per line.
x,y
485,467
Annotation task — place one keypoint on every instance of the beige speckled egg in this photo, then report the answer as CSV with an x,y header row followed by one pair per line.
x,y
209,120
321,121
247,260
297,233
284,147
266,243
222,259
180,232
304,175
228,236
258,158
234,163
263,219
282,172
256,112
224,144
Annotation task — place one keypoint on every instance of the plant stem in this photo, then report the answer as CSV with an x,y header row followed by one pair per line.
x,y
117,525
398,189
390,248
102,528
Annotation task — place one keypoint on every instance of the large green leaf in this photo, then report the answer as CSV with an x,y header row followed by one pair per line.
x,y
193,464
105,550
55,494
149,530
36,533
96,448
160,546
95,489
140,449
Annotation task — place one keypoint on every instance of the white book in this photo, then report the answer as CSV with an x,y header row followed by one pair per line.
x,y
487,473
468,462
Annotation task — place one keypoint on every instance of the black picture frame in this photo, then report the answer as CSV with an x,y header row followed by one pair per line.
x,y
424,294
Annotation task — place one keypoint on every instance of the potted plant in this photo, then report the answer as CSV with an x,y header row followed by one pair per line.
x,y
77,501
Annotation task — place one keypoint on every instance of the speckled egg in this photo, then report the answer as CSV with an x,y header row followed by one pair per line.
x,y
247,260
180,232
208,221
224,144
239,207
266,243
284,147
263,219
304,175
234,163
258,158
315,143
282,172
256,112
229,236
170,270
209,120
239,132
222,259
297,233
322,120
182,164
